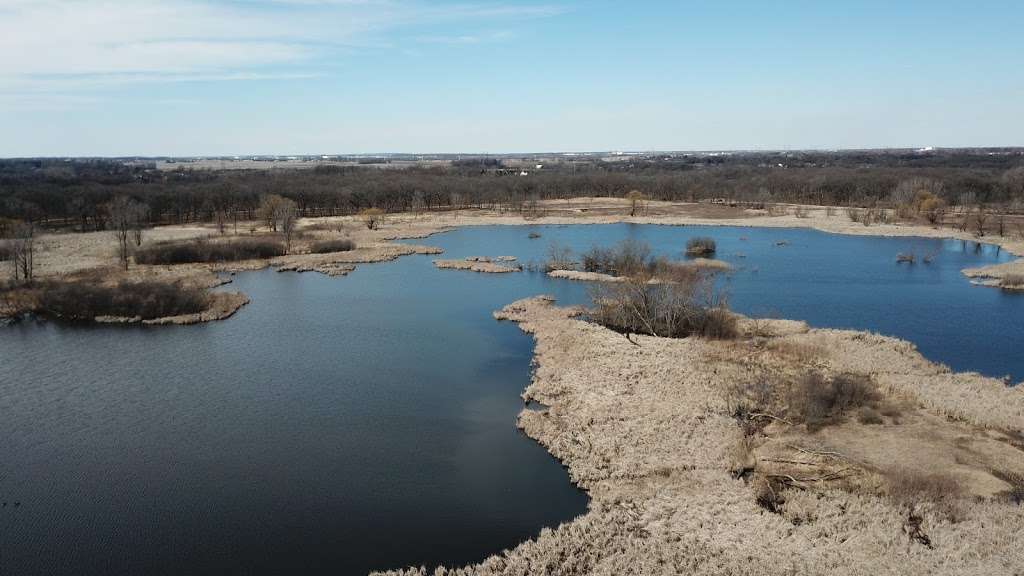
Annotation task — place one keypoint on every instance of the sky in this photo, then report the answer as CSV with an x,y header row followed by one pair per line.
x,y
242,77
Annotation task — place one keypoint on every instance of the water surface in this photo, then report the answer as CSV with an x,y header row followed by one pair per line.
x,y
338,425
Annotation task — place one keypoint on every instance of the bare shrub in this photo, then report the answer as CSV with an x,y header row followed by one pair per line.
x,y
700,246
802,212
628,258
684,304
750,401
327,246
205,251
85,301
818,401
559,258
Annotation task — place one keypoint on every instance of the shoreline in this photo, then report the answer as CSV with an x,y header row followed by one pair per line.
x,y
647,430
61,255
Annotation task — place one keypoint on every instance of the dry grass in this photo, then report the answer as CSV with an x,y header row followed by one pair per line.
x,y
638,427
202,250
336,245
1012,281
817,401
86,301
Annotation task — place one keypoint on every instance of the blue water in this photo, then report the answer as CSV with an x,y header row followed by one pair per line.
x,y
339,425
828,280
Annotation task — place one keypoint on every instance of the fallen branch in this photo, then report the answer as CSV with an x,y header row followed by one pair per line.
x,y
753,415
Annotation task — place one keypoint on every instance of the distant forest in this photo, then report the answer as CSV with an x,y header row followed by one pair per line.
x,y
76,193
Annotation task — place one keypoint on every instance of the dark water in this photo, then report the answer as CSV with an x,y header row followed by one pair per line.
x,y
339,425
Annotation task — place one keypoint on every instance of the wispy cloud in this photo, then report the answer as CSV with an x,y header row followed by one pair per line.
x,y
499,36
74,45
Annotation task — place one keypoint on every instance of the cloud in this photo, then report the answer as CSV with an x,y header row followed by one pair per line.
x,y
467,39
74,45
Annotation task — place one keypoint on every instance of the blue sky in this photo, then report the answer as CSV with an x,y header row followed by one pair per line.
x,y
194,77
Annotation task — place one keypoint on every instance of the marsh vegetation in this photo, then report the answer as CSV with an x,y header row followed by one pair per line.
x,y
209,251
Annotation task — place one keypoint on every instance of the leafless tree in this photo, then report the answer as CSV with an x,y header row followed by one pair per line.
x,y
219,216
372,217
636,201
417,204
22,249
967,200
138,221
980,219
286,217
126,216
269,204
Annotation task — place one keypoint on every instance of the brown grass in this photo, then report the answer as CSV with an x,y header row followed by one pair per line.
x,y
817,401
329,246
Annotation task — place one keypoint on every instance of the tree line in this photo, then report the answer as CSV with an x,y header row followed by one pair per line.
x,y
81,194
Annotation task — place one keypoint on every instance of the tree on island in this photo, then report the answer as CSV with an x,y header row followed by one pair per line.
x,y
636,199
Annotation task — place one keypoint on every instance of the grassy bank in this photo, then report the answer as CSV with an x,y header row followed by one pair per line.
x,y
853,454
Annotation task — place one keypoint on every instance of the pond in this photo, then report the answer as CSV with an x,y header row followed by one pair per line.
x,y
339,425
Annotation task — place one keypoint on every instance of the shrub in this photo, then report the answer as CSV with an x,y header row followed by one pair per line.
x,y
559,258
205,251
629,258
818,401
682,305
85,301
700,246
326,246
6,252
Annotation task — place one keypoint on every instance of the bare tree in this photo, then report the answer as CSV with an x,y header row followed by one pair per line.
x,y
967,200
269,204
286,217
219,216
22,251
636,200
934,209
980,219
372,217
139,218
1013,179
418,203
125,215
